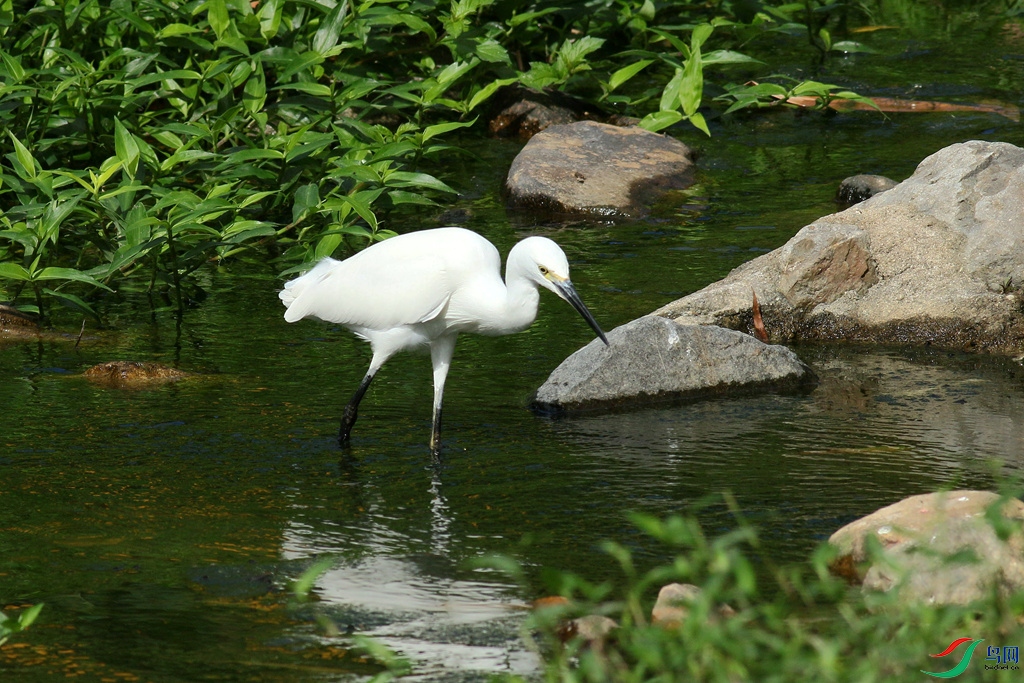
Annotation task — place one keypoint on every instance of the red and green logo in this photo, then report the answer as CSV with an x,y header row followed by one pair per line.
x,y
965,659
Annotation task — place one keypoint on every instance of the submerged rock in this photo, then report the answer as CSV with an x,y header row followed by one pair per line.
x,y
125,374
938,259
937,548
597,170
653,360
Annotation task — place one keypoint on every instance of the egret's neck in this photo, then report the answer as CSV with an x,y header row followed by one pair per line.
x,y
521,294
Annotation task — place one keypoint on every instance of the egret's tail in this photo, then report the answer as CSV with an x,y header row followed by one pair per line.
x,y
291,295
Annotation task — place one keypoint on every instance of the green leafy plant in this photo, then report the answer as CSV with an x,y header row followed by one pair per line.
x,y
144,141
747,618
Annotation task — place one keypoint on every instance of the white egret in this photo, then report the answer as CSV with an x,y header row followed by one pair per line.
x,y
420,290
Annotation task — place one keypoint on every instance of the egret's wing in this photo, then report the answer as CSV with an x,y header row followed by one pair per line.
x,y
378,291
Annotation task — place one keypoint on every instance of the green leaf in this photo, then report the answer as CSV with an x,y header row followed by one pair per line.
x,y
484,93
25,158
269,14
697,119
700,34
185,155
326,245
217,16
307,198
826,39
728,57
54,215
168,139
326,37
626,73
245,155
13,66
670,95
402,197
254,95
447,77
439,128
71,301
692,87
14,271
304,61
358,202
674,41
359,88
492,51
660,119
240,231
172,30
28,616
411,179
175,74
126,148
315,89
518,19
54,273
572,55
253,198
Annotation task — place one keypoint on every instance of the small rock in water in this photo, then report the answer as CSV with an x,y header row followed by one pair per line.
x,y
675,601
14,323
857,188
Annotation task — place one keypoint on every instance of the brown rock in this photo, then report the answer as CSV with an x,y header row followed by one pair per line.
x,y
675,601
596,170
937,548
15,324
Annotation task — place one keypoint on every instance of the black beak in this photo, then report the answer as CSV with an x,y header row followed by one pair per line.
x,y
568,292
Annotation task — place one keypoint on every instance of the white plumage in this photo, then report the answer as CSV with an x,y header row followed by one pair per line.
x,y
422,289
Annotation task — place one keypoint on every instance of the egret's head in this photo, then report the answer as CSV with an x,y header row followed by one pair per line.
x,y
543,262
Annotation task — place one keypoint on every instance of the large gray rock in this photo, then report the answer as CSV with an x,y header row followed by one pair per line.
x,y
595,169
952,547
938,259
653,359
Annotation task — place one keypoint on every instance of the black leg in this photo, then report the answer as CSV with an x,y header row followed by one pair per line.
x,y
348,416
